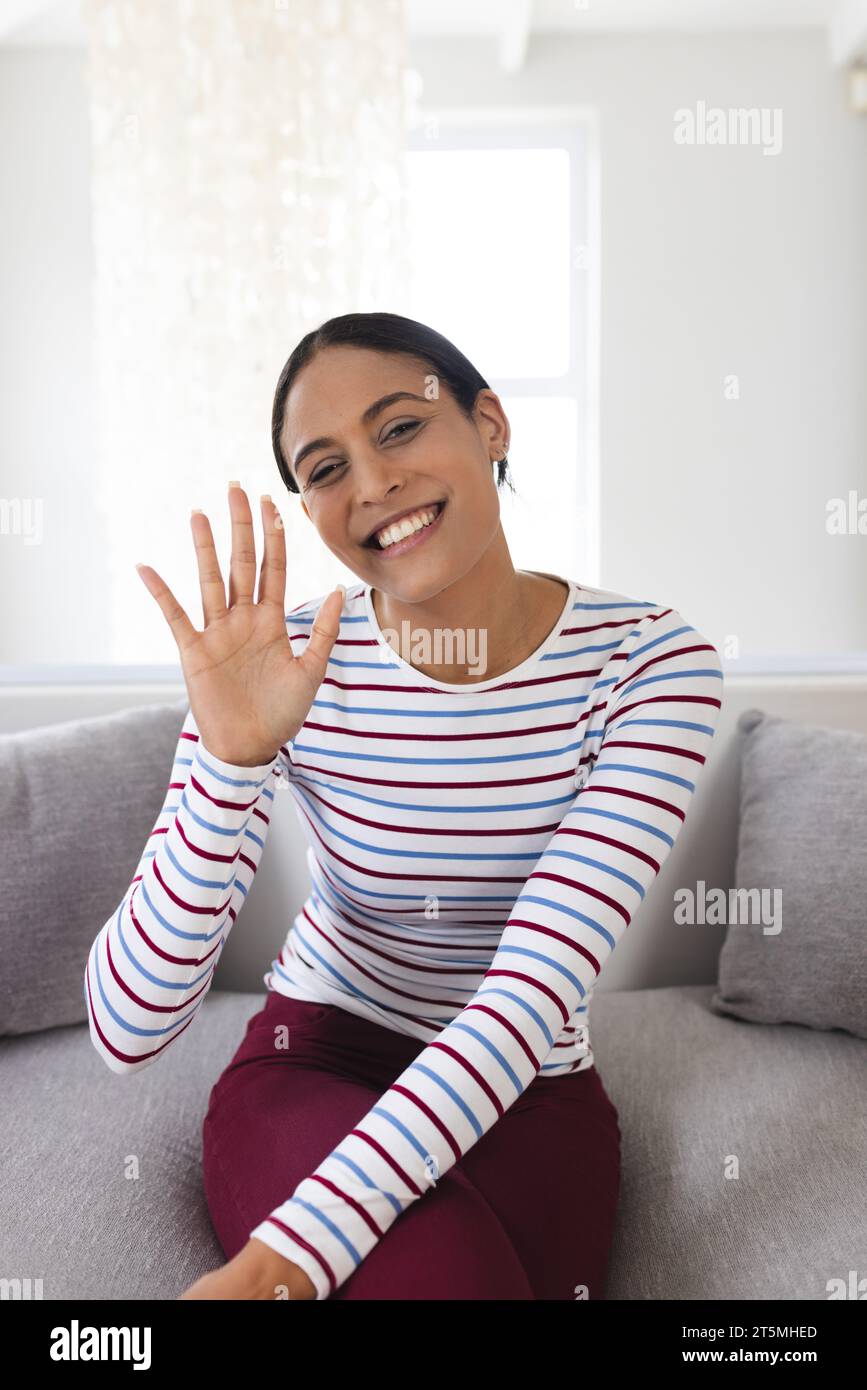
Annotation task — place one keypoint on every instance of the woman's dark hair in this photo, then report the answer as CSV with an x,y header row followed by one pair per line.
x,y
384,333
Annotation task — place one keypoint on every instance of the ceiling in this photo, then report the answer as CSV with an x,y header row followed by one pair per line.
x,y
512,23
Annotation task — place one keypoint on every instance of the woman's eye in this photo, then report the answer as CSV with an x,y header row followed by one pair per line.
x,y
394,433
324,473
404,425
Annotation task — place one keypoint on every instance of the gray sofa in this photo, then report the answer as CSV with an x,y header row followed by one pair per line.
x,y
101,1192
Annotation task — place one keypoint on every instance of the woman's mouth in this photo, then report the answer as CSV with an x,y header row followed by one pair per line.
x,y
416,537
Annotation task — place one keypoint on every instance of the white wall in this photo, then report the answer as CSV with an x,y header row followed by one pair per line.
x,y
46,405
715,261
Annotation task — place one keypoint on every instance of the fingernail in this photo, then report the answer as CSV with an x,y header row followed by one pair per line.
x,y
196,511
234,483
265,497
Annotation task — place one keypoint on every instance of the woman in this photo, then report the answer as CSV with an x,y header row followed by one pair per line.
x,y
481,832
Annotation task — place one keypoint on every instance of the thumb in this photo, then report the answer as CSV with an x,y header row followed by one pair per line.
x,y
324,633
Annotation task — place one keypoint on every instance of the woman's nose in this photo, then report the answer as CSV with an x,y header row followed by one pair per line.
x,y
375,477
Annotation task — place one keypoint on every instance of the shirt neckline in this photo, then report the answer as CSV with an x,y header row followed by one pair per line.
x,y
505,677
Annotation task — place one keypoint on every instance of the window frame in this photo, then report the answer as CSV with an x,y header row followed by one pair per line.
x,y
574,128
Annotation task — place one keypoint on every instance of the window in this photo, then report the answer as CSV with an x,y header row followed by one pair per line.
x,y
504,261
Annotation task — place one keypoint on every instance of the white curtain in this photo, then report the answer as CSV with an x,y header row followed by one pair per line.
x,y
249,181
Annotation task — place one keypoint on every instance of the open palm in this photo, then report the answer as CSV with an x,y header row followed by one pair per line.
x,y
247,690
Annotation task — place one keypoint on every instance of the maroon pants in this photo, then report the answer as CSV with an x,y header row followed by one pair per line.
x,y
527,1213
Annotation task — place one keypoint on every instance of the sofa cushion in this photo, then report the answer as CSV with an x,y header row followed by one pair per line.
x,y
102,1193
802,824
742,1150
693,1090
78,801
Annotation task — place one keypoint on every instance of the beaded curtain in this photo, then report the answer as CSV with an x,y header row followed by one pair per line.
x,y
248,181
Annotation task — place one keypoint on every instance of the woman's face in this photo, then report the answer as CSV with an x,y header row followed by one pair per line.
x,y
411,453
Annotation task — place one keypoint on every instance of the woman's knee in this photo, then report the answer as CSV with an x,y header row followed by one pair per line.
x,y
448,1245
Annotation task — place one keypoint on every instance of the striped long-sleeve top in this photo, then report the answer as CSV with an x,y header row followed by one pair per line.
x,y
476,851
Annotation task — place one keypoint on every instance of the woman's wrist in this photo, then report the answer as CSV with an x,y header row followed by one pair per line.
x,y
247,760
272,1273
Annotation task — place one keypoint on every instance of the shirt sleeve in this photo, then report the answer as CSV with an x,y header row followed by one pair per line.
x,y
153,962
661,704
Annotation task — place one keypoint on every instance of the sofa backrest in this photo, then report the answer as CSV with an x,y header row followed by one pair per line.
x,y
654,952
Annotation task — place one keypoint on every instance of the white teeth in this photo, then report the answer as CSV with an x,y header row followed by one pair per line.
x,y
405,527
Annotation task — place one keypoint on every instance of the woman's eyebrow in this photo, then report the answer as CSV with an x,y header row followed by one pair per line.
x,y
325,441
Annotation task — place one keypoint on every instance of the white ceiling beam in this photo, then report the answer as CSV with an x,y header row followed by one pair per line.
x,y
847,32
14,14
517,21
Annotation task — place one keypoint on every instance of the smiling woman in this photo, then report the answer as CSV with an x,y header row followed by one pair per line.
x,y
479,840
400,337
404,498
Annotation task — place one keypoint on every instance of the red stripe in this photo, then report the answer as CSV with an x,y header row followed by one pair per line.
x,y
305,1245
191,961
619,845
668,699
211,855
109,1047
224,805
472,736
660,659
144,1003
350,1202
404,829
531,980
392,989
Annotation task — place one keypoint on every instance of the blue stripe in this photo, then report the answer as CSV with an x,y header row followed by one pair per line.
x,y
405,806
222,884
427,925
329,1226
426,713
228,831
453,1095
345,983
584,810
440,761
668,676
368,1181
671,724
523,1004
548,960
665,636
157,979
603,766
197,936
229,781
569,912
129,1027
394,853
597,864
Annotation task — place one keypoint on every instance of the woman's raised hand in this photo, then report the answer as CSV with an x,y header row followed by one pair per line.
x,y
247,691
